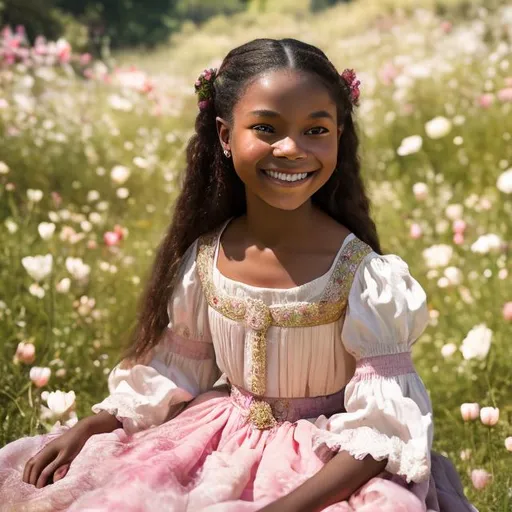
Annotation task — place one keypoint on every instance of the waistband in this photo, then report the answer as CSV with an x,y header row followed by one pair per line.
x,y
267,412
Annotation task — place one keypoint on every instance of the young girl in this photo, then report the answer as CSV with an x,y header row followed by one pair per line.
x,y
271,367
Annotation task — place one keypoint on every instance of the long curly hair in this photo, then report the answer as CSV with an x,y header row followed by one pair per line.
x,y
212,192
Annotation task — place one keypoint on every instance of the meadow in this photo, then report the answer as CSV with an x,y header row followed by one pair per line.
x,y
91,156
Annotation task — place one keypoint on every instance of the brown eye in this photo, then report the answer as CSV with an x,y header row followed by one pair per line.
x,y
325,130
262,128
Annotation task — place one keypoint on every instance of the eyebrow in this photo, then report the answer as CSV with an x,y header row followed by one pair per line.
x,y
320,114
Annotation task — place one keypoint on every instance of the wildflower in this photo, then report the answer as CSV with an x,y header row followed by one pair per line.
x,y
119,174
410,145
504,183
489,416
25,353
38,267
448,350
40,375
480,478
438,127
469,411
507,311
46,230
477,343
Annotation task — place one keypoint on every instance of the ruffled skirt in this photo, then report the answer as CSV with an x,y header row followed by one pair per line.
x,y
208,458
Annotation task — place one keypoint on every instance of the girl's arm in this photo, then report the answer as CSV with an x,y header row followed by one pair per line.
x,y
335,482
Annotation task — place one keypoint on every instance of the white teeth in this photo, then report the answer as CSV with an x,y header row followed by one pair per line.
x,y
287,177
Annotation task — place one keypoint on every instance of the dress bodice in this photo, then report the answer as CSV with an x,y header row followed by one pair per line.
x,y
281,342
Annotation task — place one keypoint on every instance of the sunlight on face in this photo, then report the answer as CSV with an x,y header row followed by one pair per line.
x,y
284,138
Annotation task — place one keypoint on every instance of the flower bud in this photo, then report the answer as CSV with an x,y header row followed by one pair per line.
x,y
489,416
469,411
480,478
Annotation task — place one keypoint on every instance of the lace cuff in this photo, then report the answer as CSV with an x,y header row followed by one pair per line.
x,y
407,459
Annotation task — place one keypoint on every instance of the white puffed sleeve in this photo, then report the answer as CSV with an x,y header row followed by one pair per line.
x,y
388,411
181,366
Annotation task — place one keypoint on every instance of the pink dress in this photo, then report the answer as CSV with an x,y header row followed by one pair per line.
x,y
311,370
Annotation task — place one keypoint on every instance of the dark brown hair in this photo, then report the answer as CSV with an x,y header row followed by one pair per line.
x,y
212,192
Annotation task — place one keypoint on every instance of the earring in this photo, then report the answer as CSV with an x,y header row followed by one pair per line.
x,y
227,153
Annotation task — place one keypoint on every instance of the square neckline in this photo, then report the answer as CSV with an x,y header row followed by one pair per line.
x,y
308,284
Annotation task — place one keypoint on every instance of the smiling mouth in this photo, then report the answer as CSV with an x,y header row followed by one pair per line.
x,y
287,178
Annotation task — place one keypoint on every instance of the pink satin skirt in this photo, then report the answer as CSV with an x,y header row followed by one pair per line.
x,y
209,458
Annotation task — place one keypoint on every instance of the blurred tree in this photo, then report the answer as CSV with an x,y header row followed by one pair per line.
x,y
38,17
318,5
200,10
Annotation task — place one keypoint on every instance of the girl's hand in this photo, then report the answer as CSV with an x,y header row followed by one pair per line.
x,y
54,459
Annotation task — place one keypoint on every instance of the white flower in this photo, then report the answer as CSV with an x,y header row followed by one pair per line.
x,y
77,268
34,195
38,267
454,211
477,342
63,285
119,103
93,195
420,191
11,226
486,243
448,350
437,255
40,375
4,169
36,290
86,226
119,174
122,192
46,230
95,217
61,403
438,127
141,162
410,145
454,275
504,183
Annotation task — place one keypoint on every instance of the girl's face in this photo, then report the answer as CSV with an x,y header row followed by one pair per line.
x,y
283,138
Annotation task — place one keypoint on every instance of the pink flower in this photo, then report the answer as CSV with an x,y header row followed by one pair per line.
x,y
203,104
446,26
388,72
508,81
489,416
111,238
505,94
458,238
469,411
26,353
486,100
508,444
56,198
40,376
92,244
85,59
415,231
507,311
459,226
480,478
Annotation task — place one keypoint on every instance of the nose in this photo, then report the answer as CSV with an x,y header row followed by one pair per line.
x,y
288,148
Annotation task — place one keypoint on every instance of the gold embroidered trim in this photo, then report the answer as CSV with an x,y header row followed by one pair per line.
x,y
258,317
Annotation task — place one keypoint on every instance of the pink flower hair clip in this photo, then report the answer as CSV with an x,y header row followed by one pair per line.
x,y
350,78
204,87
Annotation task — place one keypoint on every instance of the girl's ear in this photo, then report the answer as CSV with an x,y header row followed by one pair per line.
x,y
340,131
224,132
